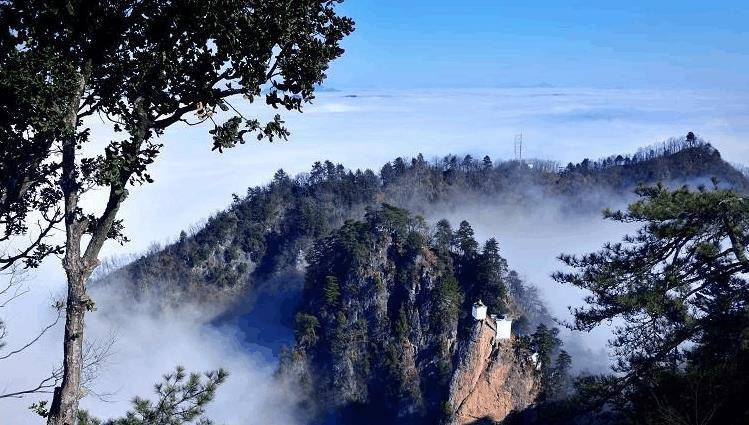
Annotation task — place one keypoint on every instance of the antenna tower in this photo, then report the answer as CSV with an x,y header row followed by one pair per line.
x,y
518,145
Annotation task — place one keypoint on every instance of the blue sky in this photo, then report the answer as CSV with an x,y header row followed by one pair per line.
x,y
495,43
435,77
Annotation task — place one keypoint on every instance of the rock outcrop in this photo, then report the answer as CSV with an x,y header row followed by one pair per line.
x,y
491,378
385,333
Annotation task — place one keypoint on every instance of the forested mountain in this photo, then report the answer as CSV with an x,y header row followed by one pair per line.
x,y
677,292
385,334
379,297
268,230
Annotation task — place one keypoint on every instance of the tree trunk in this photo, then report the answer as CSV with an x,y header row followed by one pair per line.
x,y
64,406
79,267
65,402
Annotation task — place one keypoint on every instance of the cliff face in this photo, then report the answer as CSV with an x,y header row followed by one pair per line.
x,y
384,334
374,338
491,378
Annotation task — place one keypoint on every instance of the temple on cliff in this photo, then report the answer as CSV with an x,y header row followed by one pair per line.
x,y
502,325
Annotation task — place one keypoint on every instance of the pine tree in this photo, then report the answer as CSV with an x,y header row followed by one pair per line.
x,y
679,285
465,239
490,271
182,400
443,237
387,174
561,376
545,342
487,163
331,292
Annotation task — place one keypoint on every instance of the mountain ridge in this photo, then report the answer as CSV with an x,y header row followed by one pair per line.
x,y
262,250
268,230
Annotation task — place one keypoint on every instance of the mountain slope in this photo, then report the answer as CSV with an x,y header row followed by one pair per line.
x,y
268,231
385,331
380,298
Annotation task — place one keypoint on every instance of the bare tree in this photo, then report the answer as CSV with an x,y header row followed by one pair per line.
x,y
13,287
95,352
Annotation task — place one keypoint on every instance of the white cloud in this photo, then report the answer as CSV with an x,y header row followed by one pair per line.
x,y
333,107
364,131
376,126
150,340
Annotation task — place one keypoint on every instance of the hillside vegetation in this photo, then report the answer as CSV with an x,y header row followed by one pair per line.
x,y
268,230
381,296
386,304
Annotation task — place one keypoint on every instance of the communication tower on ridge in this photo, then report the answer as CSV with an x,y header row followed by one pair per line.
x,y
518,147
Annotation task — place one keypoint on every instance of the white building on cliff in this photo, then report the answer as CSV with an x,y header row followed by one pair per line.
x,y
479,311
504,328
502,325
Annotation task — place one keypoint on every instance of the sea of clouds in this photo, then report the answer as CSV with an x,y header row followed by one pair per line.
x,y
359,129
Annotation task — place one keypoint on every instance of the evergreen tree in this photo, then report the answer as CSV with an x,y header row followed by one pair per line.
x,y
399,167
545,343
443,236
490,270
331,291
317,175
561,376
182,400
280,177
679,285
465,240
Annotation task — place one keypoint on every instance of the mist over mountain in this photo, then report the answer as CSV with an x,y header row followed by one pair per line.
x,y
247,267
268,230
327,212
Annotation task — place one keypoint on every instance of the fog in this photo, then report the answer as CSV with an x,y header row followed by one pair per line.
x,y
147,340
366,128
150,339
531,237
363,131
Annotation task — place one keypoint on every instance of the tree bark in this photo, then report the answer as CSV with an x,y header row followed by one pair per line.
x,y
79,267
64,406
65,402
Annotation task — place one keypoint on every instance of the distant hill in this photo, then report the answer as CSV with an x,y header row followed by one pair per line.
x,y
268,230
743,169
338,250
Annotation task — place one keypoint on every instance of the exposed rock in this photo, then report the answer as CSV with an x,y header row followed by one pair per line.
x,y
490,379
384,333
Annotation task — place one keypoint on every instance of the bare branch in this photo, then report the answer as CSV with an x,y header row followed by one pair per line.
x,y
45,386
8,261
95,356
36,338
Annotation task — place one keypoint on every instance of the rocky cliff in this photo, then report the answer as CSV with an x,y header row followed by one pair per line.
x,y
385,333
491,378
